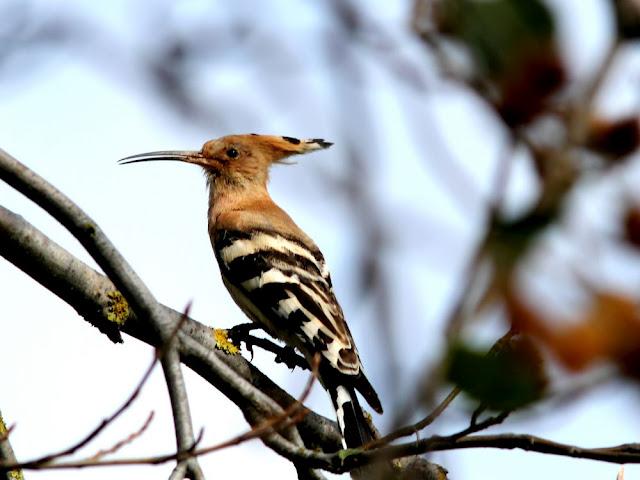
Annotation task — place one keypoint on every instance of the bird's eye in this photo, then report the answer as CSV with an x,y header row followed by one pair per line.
x,y
232,153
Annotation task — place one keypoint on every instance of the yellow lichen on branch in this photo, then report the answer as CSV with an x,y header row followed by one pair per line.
x,y
223,343
117,308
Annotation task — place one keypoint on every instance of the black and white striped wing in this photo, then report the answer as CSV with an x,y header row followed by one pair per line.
x,y
285,287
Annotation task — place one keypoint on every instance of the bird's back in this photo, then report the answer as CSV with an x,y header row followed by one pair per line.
x,y
278,277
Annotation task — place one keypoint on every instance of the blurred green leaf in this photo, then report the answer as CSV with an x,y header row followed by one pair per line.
x,y
497,31
505,380
513,44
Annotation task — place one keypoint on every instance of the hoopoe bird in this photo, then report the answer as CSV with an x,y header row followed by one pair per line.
x,y
273,270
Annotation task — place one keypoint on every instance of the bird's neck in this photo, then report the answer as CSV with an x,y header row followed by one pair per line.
x,y
225,198
247,209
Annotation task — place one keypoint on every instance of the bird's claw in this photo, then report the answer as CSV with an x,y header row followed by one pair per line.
x,y
288,356
239,333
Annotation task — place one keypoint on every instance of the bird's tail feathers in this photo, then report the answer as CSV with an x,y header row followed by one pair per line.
x,y
356,430
366,390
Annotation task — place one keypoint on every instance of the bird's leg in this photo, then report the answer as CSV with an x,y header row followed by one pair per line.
x,y
240,333
286,354
289,357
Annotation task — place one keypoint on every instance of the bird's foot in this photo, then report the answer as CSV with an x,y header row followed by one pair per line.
x,y
240,333
289,357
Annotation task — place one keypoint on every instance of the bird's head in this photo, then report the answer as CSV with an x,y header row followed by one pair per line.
x,y
237,159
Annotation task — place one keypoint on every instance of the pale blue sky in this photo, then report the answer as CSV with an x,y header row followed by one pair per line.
x,y
70,117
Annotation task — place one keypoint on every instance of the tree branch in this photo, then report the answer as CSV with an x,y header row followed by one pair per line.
x,y
7,455
416,427
89,234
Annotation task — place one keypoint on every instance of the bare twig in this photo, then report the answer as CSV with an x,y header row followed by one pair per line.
x,y
125,405
416,427
584,103
292,415
185,439
125,441
103,424
475,426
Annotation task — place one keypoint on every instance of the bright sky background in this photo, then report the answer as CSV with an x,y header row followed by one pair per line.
x,y
70,118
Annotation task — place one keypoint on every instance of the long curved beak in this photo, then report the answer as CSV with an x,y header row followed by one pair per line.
x,y
166,155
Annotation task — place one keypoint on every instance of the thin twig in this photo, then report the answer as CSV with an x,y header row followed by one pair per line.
x,y
501,176
293,414
584,104
416,427
475,426
103,424
125,441
185,439
125,405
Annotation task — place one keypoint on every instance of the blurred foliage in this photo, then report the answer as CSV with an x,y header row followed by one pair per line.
x,y
512,43
615,139
517,68
609,329
497,32
507,242
509,377
627,17
632,225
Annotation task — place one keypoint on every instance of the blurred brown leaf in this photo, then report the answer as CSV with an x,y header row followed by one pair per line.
x,y
627,17
526,89
614,138
632,225
608,330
